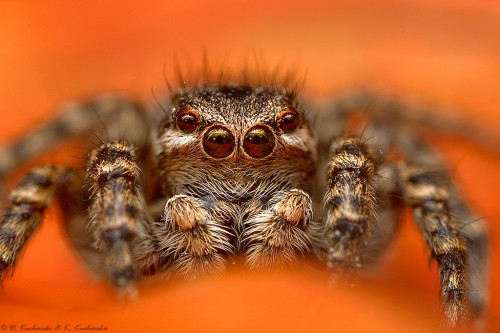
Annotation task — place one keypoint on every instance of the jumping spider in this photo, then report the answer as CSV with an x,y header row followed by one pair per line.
x,y
231,170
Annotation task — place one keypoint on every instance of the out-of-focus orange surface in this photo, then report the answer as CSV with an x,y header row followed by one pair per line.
x,y
442,51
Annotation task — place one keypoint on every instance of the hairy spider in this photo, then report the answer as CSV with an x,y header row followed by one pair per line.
x,y
232,170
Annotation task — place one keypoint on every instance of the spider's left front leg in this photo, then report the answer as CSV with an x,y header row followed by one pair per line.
x,y
349,205
277,235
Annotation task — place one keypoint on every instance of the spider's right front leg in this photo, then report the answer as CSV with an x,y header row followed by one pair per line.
x,y
194,236
117,211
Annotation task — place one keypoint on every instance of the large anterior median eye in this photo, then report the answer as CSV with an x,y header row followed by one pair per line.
x,y
218,142
187,121
258,142
288,120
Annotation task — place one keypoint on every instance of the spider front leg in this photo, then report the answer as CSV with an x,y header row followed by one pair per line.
x,y
118,216
194,237
27,203
349,205
274,236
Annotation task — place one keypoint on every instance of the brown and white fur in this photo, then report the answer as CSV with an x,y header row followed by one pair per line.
x,y
233,170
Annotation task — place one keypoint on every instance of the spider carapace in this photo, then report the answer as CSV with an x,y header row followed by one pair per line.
x,y
238,170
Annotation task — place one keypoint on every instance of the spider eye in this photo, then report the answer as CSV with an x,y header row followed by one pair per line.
x,y
187,121
258,142
288,120
218,142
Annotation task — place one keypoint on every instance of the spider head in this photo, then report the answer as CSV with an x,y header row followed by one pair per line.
x,y
235,133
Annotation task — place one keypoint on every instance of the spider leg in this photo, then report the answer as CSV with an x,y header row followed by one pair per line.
x,y
27,203
105,116
82,237
388,214
425,187
349,205
476,235
194,237
457,239
276,235
118,215
106,250
382,105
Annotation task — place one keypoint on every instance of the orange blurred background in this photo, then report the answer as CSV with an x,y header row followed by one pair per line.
x,y
442,51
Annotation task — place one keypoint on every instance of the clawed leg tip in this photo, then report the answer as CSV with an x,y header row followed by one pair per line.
x,y
125,281
453,314
128,293
5,271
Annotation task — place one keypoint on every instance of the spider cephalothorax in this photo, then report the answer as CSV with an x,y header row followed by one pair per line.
x,y
234,153
234,170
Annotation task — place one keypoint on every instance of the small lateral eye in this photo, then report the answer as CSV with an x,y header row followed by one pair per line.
x,y
187,121
288,120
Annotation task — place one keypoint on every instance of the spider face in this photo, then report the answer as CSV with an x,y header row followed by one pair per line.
x,y
232,137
